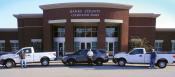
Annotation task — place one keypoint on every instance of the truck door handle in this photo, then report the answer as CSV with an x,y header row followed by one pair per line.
x,y
140,55
28,55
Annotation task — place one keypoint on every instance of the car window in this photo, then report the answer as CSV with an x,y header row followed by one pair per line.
x,y
137,51
82,52
102,51
94,51
27,50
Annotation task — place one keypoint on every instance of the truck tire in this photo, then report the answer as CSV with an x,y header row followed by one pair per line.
x,y
45,62
71,62
9,63
114,60
121,62
99,62
161,64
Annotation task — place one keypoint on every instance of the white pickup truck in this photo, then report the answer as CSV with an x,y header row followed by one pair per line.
x,y
139,56
11,59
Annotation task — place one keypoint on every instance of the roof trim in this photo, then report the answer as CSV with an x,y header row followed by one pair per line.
x,y
28,15
85,20
148,15
166,29
113,21
8,29
85,4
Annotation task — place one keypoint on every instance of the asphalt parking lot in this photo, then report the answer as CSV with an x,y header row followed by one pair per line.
x,y
83,70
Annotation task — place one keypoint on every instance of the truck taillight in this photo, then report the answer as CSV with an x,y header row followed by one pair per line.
x,y
54,54
173,56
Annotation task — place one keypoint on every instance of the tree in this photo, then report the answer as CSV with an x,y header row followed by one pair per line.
x,y
138,42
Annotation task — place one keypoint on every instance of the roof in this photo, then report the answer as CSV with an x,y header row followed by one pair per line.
x,y
149,15
166,29
28,15
85,4
8,29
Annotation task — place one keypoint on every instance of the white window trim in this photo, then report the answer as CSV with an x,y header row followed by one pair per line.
x,y
159,41
113,21
36,40
172,41
14,41
57,21
85,20
2,41
172,47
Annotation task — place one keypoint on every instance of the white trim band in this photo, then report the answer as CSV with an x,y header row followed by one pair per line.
x,y
113,21
85,20
57,21
14,41
2,41
158,40
172,41
36,40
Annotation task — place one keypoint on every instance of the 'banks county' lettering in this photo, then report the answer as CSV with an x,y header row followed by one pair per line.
x,y
86,12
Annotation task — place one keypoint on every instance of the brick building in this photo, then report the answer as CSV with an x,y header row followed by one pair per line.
x,y
67,27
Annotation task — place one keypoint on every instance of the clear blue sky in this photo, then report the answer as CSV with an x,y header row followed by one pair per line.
x,y
164,7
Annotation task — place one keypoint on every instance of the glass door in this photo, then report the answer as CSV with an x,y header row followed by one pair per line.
x,y
61,49
110,47
88,45
82,46
85,45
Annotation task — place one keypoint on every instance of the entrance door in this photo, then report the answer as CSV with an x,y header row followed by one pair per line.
x,y
110,48
59,45
82,46
88,45
61,49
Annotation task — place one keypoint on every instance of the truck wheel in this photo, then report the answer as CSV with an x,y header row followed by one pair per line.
x,y
99,62
121,62
114,60
9,64
45,62
162,64
71,62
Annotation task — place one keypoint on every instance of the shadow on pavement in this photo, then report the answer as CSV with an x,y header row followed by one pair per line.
x,y
87,67
108,67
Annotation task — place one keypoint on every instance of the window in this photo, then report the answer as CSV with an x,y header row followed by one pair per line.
x,y
2,45
55,46
14,45
135,43
94,45
37,44
137,51
76,46
59,32
111,32
158,45
84,31
173,45
116,45
28,50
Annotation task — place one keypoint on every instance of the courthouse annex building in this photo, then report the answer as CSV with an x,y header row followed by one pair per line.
x,y
68,27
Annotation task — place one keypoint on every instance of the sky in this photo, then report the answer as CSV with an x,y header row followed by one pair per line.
x,y
164,7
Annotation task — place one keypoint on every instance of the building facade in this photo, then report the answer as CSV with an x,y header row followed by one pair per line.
x,y
68,27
